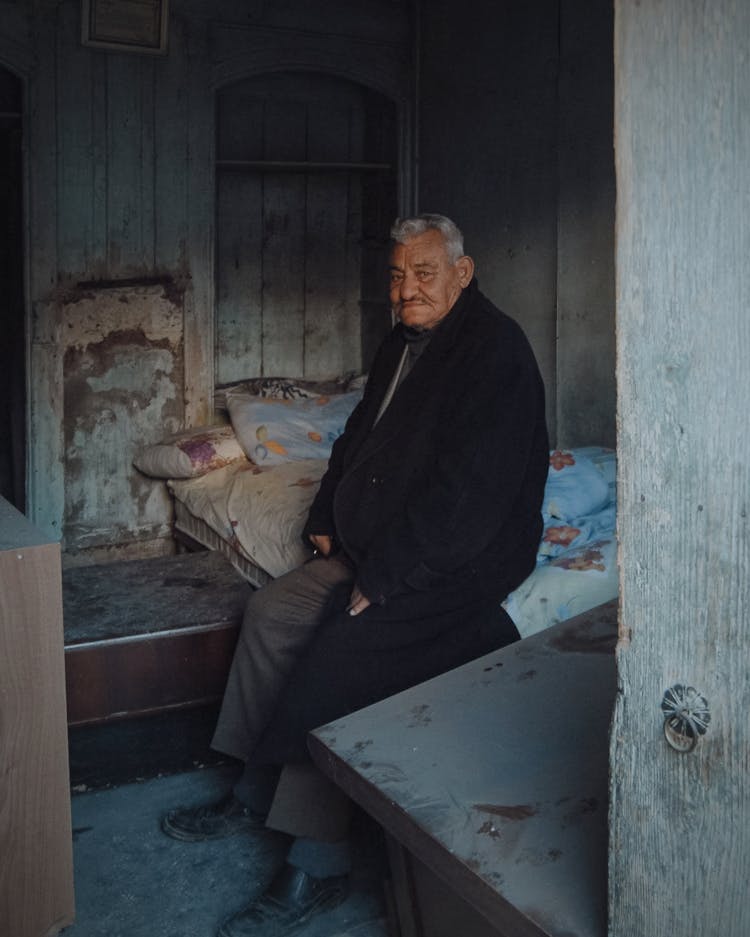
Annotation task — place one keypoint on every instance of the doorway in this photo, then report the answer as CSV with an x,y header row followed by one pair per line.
x,y
12,313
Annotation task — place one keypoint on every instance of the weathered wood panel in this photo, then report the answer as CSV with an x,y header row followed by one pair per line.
x,y
121,184
332,320
172,219
239,287
130,164
488,106
81,152
46,496
36,873
289,242
586,391
332,260
680,823
200,213
283,263
13,345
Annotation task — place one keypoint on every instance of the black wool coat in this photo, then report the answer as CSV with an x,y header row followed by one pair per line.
x,y
438,507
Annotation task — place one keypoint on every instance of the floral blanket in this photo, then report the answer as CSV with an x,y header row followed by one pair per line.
x,y
260,512
577,561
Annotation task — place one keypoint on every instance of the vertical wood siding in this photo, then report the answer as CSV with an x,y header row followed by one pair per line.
x,y
680,823
289,242
488,152
586,387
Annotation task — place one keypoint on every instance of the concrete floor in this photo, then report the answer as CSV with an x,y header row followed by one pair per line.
x,y
133,881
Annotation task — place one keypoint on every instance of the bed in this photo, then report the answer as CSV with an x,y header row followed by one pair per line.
x,y
244,488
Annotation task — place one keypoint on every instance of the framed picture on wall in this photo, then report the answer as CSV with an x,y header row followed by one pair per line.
x,y
125,25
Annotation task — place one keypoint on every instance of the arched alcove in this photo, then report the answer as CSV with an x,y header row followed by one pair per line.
x,y
307,183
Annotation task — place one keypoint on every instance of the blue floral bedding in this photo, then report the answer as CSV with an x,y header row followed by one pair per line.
x,y
577,559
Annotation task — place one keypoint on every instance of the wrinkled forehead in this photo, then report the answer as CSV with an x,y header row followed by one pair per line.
x,y
423,250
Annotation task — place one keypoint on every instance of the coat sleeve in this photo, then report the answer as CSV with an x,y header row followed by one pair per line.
x,y
475,487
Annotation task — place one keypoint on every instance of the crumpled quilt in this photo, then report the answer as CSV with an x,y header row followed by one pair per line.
x,y
577,560
260,512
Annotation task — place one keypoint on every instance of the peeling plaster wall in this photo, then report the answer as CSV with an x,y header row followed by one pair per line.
x,y
123,387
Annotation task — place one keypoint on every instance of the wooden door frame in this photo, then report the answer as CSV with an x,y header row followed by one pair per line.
x,y
679,855
43,365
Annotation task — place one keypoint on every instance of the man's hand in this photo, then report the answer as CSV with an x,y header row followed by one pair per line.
x,y
323,543
357,602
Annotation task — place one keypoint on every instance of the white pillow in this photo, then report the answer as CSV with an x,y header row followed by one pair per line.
x,y
190,454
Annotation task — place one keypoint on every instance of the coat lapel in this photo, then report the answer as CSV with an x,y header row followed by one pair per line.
x,y
410,395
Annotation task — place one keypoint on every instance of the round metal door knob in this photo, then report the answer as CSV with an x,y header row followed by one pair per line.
x,y
686,717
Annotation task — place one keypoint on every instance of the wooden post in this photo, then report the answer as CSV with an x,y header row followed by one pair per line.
x,y
680,822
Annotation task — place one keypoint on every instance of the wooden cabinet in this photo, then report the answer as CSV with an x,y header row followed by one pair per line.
x,y
36,856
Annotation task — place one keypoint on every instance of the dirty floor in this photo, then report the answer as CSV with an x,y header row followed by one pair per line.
x,y
133,881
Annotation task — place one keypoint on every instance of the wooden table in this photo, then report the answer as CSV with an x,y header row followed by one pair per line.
x,y
492,779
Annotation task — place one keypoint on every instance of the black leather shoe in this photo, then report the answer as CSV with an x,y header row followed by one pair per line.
x,y
213,821
293,897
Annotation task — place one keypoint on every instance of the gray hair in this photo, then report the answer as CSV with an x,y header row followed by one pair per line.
x,y
403,229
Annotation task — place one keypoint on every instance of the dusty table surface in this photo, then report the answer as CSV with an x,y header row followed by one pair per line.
x,y
495,775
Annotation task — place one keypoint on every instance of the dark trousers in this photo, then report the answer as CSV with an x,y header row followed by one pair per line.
x,y
280,621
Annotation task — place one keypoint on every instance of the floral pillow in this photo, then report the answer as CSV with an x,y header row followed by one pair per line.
x,y
288,388
273,431
190,454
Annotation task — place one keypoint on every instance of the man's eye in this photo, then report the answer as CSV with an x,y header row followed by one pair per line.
x,y
424,275
396,277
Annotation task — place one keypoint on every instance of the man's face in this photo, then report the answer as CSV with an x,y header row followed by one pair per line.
x,y
424,282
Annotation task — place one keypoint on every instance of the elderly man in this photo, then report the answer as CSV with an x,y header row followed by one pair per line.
x,y
427,517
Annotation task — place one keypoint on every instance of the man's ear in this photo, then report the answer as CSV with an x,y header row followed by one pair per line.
x,y
465,267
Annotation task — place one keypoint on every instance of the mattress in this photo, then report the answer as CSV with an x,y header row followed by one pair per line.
x,y
196,529
255,518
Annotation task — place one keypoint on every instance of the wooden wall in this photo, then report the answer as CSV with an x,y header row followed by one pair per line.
x,y
123,272
515,118
680,821
12,305
295,156
585,291
121,239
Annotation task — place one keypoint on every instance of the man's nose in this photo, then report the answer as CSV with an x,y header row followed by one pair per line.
x,y
409,286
